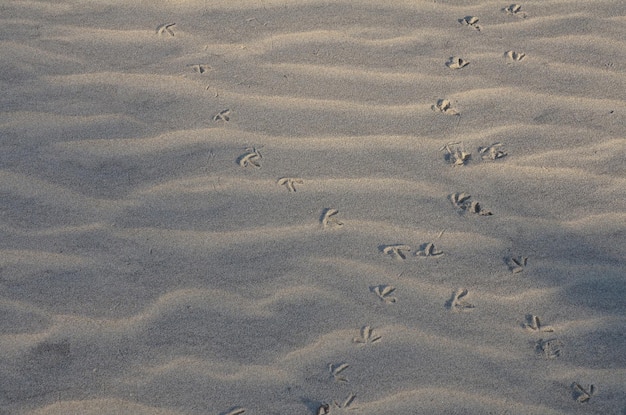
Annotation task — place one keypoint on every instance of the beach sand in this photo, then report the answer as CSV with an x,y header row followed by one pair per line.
x,y
267,206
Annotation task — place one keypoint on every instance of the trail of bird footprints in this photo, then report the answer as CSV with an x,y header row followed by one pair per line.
x,y
455,155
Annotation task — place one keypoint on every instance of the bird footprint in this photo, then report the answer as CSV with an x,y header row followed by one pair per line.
x,y
492,152
462,202
290,183
252,157
335,371
455,155
384,293
396,251
445,107
328,218
367,336
324,408
346,403
200,67
549,349
165,28
514,10
514,56
429,250
517,265
533,324
458,303
581,394
456,63
223,115
471,21
459,200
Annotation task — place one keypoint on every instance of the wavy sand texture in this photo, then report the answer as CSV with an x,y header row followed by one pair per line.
x,y
237,207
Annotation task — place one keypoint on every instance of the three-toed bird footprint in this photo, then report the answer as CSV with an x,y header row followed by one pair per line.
x,y
444,106
396,251
549,349
458,302
367,336
471,21
455,154
336,370
252,157
456,63
290,183
581,394
383,292
516,264
533,324
492,152
166,28
329,218
429,250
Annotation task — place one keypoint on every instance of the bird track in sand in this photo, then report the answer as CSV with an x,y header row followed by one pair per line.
x,y
396,251
549,349
514,56
458,303
471,21
456,63
455,154
514,10
336,370
516,264
329,218
534,324
383,292
462,203
428,250
289,183
444,106
492,152
581,394
223,115
165,28
252,157
367,336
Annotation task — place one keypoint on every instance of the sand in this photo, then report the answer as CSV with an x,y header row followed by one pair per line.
x,y
269,206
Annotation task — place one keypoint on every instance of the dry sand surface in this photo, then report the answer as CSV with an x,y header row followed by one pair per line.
x,y
270,206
